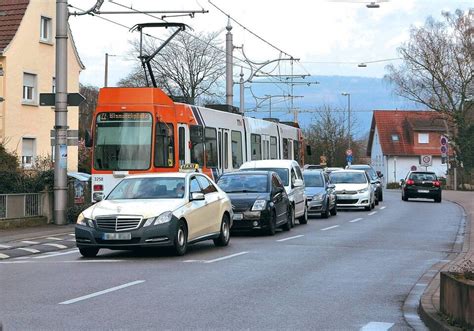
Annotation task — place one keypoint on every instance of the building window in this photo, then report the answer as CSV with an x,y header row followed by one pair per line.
x,y
395,137
211,147
164,145
46,29
236,139
256,146
423,138
273,148
29,88
28,152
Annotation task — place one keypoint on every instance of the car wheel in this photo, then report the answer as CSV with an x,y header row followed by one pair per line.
x,y
404,197
333,210
272,225
377,202
89,251
380,196
437,199
373,204
224,235
180,243
367,208
325,214
287,225
292,216
304,219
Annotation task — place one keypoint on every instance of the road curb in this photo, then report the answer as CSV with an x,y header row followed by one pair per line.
x,y
429,302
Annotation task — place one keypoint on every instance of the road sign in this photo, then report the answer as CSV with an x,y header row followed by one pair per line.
x,y
443,149
426,160
443,141
413,168
49,99
444,146
349,152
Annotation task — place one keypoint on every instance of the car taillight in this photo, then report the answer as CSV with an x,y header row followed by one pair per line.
x,y
98,187
436,183
410,182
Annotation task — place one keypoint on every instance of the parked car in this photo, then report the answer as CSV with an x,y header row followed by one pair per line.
x,y
421,184
259,200
353,189
312,166
290,174
328,170
374,176
320,194
168,209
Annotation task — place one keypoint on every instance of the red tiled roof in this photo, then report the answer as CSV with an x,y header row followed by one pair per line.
x,y
406,124
11,14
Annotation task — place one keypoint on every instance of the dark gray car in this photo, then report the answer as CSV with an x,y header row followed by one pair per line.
x,y
320,194
374,177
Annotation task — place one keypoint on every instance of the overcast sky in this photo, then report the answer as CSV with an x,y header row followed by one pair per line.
x,y
329,37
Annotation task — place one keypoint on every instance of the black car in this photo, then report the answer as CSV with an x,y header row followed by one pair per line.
x,y
374,176
321,197
259,200
421,184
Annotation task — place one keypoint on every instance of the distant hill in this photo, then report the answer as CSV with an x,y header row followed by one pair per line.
x,y
367,94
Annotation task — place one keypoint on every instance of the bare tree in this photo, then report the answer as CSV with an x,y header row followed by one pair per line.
x,y
327,136
437,71
87,108
188,66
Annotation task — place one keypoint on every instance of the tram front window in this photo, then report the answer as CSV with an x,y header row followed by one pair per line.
x,y
122,141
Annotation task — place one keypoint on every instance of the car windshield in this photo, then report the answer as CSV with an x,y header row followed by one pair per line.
x,y
369,170
313,179
348,178
422,176
149,188
243,183
282,173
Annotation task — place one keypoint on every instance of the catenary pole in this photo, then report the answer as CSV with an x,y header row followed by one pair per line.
x,y
229,47
60,111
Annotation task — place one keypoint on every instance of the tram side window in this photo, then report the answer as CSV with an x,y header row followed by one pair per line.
x,y
236,137
256,146
285,148
197,144
182,145
226,150
296,151
273,148
164,145
211,147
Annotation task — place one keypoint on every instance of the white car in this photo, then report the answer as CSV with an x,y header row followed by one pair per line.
x,y
166,209
353,189
291,176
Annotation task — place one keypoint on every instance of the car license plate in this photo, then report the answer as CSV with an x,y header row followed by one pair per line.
x,y
117,236
238,217
423,191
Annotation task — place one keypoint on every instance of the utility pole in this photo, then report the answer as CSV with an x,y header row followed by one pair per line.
x,y
106,74
242,87
348,95
60,114
229,47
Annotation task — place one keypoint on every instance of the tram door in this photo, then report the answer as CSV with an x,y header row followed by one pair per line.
x,y
223,141
184,154
265,147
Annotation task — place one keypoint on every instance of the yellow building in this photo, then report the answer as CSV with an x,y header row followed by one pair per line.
x,y
27,68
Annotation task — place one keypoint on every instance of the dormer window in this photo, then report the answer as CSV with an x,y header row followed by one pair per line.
x,y
395,137
423,138
46,31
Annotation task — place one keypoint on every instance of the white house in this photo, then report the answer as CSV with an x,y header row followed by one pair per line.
x,y
398,139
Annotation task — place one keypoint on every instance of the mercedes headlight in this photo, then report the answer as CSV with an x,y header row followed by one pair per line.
x,y
318,197
82,220
363,190
163,218
259,205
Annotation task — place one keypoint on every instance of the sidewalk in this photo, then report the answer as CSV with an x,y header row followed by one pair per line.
x,y
429,302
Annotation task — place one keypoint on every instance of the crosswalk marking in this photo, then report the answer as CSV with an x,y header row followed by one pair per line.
x,y
4,256
55,245
29,242
31,250
4,246
53,238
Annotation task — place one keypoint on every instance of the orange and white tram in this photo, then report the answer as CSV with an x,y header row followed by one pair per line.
x,y
140,130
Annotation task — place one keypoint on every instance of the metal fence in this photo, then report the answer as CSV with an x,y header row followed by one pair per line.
x,y
20,205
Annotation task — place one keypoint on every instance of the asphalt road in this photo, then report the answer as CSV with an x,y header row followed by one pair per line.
x,y
350,272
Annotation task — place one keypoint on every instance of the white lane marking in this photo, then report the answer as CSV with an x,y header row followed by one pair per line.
x,y
85,297
55,254
31,250
18,261
53,238
329,228
376,326
73,239
72,234
14,262
356,220
4,256
28,242
55,245
225,257
382,208
194,261
4,246
372,213
289,238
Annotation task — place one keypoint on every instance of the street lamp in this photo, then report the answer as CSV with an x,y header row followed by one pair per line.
x,y
107,68
348,95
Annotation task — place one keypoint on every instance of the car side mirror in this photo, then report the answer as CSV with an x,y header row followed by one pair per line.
x,y
88,139
195,196
98,196
331,186
374,182
298,183
379,174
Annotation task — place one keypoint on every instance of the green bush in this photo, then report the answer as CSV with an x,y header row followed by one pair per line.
x,y
26,182
393,185
73,212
